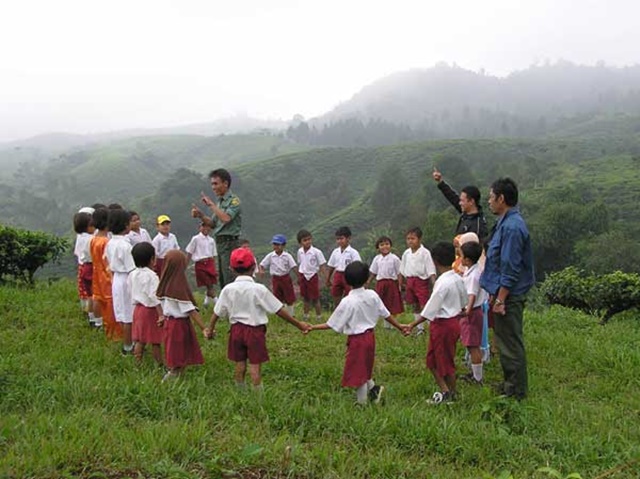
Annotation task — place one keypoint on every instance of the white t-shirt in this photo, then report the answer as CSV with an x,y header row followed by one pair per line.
x,y
163,244
143,283
134,237
471,278
341,259
82,248
358,312
448,299
278,265
177,309
245,301
201,247
385,267
118,253
310,261
418,264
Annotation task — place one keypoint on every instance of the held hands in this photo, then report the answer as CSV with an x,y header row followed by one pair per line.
x,y
407,328
305,327
160,321
209,333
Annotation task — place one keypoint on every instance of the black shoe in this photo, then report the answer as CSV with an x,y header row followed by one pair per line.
x,y
442,398
468,378
375,394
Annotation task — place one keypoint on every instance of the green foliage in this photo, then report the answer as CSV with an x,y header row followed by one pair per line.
x,y
23,252
611,251
602,295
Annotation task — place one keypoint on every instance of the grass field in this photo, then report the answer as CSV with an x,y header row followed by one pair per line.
x,y
71,406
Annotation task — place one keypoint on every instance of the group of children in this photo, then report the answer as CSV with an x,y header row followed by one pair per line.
x,y
137,288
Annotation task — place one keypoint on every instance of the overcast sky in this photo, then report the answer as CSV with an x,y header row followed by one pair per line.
x,y
87,65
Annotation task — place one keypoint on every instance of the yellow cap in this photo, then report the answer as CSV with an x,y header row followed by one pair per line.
x,y
163,219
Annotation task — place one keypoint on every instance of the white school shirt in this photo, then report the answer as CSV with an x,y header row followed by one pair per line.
x,y
310,261
82,248
418,264
358,312
471,278
135,237
163,244
118,253
385,267
448,299
279,265
143,283
201,247
245,301
341,259
176,308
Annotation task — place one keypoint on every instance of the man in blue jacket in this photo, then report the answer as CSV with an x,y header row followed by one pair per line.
x,y
508,276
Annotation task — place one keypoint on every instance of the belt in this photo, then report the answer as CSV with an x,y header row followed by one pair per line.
x,y
226,238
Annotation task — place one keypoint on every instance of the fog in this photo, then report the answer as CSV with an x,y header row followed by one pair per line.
x,y
81,67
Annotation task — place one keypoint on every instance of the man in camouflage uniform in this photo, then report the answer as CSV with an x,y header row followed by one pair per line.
x,y
226,221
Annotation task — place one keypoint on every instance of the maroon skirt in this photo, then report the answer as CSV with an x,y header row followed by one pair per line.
x,y
443,336
181,343
389,293
85,280
206,274
145,326
358,365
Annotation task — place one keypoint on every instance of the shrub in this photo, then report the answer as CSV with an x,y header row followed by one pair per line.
x,y
23,252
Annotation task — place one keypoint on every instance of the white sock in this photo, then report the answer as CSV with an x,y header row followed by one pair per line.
x,y
92,317
206,300
370,384
127,347
361,394
306,317
477,371
97,321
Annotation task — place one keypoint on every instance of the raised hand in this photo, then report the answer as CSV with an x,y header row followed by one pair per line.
x,y
437,176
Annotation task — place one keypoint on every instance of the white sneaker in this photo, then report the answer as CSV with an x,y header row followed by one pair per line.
x,y
206,301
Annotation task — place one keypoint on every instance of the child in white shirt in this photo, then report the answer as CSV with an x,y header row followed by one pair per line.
x,y
83,226
385,268
340,258
163,242
137,234
280,264
202,250
311,261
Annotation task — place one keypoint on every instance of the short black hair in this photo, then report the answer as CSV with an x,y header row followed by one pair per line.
x,y
115,206
243,241
302,234
343,231
472,250
81,222
383,239
95,206
507,188
101,218
414,231
142,254
221,173
244,271
119,220
356,274
443,253
473,193
134,213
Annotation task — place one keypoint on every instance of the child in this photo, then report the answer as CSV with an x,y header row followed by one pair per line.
x,y
311,261
417,273
280,264
101,281
443,310
163,242
338,262
84,228
143,283
246,304
356,316
118,253
179,309
385,267
136,233
202,249
472,323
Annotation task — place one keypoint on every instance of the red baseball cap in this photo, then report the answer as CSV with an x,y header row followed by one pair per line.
x,y
242,258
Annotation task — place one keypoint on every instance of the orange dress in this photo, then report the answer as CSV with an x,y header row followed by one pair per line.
x,y
101,284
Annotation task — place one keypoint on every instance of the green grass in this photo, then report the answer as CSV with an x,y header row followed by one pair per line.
x,y
71,406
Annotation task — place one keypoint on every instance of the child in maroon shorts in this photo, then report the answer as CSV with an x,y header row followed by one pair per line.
x,y
338,262
202,250
356,316
385,268
443,311
311,261
246,304
280,263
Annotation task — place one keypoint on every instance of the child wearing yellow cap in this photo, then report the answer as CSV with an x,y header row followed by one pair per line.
x,y
164,241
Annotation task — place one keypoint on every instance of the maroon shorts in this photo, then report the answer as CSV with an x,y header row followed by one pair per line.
x,y
206,274
417,291
339,286
145,326
181,343
389,292
443,336
471,328
309,288
85,280
248,342
282,287
358,365
158,267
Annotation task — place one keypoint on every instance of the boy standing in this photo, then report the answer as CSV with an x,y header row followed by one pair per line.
x,y
443,311
340,258
356,316
163,242
202,250
280,264
311,261
246,304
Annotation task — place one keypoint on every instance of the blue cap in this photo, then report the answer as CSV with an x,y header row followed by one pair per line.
x,y
279,239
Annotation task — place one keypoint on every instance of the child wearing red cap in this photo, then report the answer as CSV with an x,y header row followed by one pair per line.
x,y
280,263
246,304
